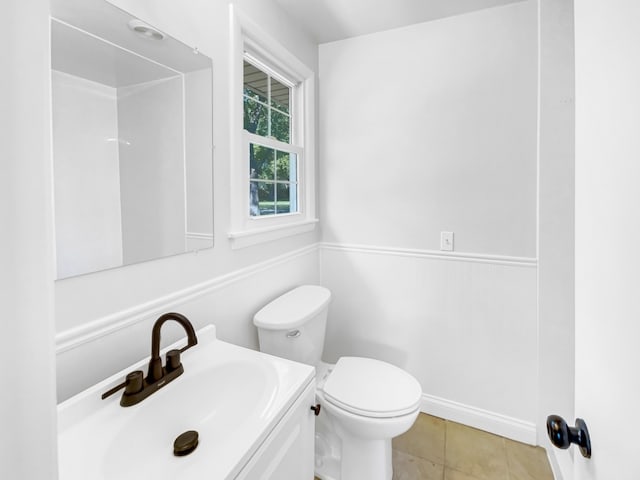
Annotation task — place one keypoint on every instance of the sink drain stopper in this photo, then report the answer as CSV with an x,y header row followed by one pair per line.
x,y
185,443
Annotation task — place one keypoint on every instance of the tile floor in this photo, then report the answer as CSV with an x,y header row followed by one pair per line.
x,y
437,449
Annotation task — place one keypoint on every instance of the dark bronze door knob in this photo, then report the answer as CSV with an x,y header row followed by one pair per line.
x,y
562,435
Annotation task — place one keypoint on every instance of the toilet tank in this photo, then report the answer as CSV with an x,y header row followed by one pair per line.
x,y
293,325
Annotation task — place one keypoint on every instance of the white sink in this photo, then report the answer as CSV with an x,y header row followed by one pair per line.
x,y
232,396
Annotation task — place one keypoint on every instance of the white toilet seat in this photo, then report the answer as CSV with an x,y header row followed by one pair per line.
x,y
370,388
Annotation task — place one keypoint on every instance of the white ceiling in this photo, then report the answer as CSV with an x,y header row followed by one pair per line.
x,y
330,20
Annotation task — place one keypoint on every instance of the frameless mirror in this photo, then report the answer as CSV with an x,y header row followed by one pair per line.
x,y
132,140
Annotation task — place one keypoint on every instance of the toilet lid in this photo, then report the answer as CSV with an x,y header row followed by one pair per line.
x,y
293,309
372,388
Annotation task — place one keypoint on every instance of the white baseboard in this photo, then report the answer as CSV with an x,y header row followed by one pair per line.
x,y
509,427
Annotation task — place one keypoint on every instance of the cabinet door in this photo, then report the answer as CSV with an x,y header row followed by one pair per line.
x,y
287,453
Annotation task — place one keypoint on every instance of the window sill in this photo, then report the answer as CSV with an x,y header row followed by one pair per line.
x,y
249,238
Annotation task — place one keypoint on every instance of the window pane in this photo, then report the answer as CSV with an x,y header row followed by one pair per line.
x,y
280,126
280,96
286,166
256,83
286,198
263,194
293,197
262,162
256,118
254,202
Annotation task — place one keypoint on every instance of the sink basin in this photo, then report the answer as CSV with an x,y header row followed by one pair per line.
x,y
232,396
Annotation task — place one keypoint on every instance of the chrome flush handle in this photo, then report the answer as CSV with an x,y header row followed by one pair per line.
x,y
293,333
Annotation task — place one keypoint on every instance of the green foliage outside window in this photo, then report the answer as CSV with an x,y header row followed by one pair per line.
x,y
273,172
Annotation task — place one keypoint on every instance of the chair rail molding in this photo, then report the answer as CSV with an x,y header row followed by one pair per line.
x,y
74,337
435,254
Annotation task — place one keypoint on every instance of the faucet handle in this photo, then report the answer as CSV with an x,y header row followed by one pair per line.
x,y
173,360
113,390
134,382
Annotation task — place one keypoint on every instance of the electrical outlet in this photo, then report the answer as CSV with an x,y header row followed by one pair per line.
x,y
446,241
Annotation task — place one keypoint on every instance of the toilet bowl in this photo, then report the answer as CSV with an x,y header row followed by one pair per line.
x,y
365,402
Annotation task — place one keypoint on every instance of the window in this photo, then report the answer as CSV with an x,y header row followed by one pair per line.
x,y
272,156
272,190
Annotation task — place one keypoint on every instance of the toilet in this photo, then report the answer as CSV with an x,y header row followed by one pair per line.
x,y
364,402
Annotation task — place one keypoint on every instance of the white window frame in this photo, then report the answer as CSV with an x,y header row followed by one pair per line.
x,y
248,37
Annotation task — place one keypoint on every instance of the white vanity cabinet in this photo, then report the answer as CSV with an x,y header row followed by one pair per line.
x,y
288,452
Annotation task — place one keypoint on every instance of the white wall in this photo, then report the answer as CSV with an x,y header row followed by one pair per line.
x,y
27,363
425,129
151,125
87,305
556,224
433,127
465,329
87,182
228,301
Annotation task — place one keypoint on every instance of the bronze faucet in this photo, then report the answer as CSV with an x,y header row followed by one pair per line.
x,y
156,372
136,387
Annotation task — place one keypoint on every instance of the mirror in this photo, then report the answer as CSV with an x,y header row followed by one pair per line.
x,y
132,140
